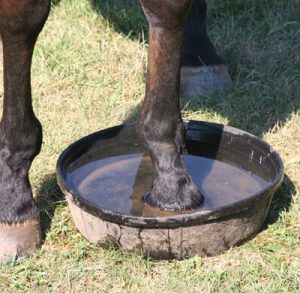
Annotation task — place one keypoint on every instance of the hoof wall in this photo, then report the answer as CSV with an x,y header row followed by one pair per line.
x,y
19,239
203,81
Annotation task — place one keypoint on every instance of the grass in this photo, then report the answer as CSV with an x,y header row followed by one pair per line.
x,y
88,74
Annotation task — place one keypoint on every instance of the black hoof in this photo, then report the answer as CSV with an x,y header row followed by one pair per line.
x,y
177,204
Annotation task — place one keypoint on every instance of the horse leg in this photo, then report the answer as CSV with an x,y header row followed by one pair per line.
x,y
20,132
202,70
160,124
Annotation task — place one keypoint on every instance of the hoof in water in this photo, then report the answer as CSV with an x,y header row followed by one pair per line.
x,y
19,239
187,203
202,81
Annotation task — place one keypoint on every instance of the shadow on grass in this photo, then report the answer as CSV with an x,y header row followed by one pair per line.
x,y
55,2
125,16
48,198
281,202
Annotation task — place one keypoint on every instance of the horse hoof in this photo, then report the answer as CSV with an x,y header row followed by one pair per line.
x,y
18,240
202,81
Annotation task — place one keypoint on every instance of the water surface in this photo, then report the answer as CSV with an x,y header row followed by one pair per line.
x,y
119,183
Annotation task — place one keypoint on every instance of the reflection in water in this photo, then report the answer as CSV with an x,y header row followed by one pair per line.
x,y
119,183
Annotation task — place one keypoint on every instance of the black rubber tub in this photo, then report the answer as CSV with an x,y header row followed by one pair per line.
x,y
105,176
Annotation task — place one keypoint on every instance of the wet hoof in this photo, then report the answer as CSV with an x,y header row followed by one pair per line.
x,y
19,239
204,80
188,203
169,198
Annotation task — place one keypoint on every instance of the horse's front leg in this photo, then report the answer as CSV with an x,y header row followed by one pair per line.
x,y
160,124
20,131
